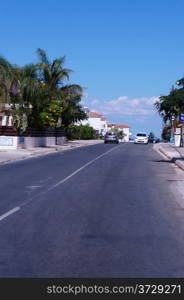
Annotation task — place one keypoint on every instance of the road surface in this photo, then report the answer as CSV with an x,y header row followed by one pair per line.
x,y
98,211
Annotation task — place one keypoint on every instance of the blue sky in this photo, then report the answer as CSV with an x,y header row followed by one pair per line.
x,y
124,53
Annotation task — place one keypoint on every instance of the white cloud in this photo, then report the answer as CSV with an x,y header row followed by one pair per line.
x,y
124,106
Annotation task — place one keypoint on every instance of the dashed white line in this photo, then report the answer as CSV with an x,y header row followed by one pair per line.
x,y
10,212
80,169
15,209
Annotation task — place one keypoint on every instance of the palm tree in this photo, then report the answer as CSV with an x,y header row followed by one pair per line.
x,y
38,91
52,73
72,110
7,83
6,78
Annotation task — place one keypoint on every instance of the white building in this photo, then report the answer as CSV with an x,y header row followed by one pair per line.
x,y
120,127
97,121
101,125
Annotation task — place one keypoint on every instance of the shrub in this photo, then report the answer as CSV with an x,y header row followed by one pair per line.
x,y
84,132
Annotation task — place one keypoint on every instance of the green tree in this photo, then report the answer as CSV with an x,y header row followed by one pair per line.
x,y
121,134
38,95
171,105
166,133
115,130
6,78
72,110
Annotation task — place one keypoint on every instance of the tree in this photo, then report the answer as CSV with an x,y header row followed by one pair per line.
x,y
52,73
115,130
171,105
72,110
121,134
6,77
166,133
38,95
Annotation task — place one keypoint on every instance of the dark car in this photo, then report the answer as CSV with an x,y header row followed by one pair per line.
x,y
153,139
111,137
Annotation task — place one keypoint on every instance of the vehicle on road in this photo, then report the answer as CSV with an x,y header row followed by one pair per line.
x,y
153,139
141,138
111,137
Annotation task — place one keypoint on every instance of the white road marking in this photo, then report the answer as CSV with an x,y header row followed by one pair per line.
x,y
55,185
33,187
67,178
10,212
80,169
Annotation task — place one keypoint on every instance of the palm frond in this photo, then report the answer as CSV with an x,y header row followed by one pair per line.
x,y
42,56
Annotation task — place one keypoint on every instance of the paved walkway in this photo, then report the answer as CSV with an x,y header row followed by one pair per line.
x,y
7,156
180,150
173,153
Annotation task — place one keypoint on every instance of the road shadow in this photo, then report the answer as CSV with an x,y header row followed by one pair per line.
x,y
173,160
161,161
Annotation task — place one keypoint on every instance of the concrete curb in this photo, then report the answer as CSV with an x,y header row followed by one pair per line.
x,y
164,153
180,164
169,156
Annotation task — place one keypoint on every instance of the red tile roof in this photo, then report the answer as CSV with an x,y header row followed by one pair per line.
x,y
103,119
122,126
94,114
118,125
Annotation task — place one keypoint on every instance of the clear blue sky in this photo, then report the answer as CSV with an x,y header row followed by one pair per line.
x,y
125,53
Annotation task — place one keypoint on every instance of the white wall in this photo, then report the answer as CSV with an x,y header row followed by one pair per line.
x,y
32,142
14,142
96,123
127,132
8,142
104,127
177,137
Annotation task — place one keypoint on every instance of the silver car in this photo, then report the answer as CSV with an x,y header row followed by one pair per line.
x,y
111,137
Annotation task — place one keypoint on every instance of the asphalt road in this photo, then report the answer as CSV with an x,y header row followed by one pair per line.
x,y
97,211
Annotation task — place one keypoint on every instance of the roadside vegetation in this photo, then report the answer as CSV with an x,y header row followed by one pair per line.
x,y
39,96
170,107
84,132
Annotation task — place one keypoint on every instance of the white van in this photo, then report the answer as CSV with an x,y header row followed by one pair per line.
x,y
141,138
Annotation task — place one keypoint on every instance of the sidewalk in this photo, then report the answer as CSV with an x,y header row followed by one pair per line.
x,y
171,152
7,156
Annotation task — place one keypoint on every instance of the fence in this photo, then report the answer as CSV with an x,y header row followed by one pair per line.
x,y
8,131
31,137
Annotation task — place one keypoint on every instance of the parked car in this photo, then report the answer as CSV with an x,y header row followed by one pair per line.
x,y
141,138
111,137
152,139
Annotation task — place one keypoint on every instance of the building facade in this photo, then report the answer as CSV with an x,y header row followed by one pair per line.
x,y
120,127
97,121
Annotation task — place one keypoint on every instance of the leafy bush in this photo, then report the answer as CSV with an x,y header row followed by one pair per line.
x,y
84,132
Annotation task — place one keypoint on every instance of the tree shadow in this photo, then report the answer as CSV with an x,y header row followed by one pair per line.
x,y
161,161
173,160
